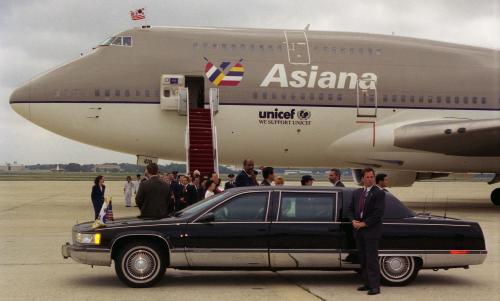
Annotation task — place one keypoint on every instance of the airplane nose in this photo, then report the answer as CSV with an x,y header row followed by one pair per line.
x,y
20,101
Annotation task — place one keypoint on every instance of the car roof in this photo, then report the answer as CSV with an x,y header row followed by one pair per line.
x,y
289,188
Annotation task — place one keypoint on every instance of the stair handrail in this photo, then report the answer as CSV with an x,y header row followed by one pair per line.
x,y
215,157
187,143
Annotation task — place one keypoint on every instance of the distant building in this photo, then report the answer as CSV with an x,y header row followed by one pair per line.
x,y
12,167
107,168
57,169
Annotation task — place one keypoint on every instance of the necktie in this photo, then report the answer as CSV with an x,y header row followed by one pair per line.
x,y
362,203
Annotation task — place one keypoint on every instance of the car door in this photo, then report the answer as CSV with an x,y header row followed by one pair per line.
x,y
233,234
305,232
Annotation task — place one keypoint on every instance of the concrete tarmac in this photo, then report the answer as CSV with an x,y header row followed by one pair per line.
x,y
36,218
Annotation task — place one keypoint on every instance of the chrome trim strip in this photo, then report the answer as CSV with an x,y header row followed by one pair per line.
x,y
279,208
420,224
224,250
291,222
212,223
268,205
136,226
226,200
304,250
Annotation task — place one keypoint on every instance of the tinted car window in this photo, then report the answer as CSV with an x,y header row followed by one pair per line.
x,y
305,207
249,207
394,208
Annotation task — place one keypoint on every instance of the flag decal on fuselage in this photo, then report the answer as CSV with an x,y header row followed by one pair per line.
x,y
221,76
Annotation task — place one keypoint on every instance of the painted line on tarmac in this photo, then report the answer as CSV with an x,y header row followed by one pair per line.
x,y
312,296
30,202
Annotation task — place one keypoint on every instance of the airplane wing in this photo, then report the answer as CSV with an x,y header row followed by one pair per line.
x,y
478,138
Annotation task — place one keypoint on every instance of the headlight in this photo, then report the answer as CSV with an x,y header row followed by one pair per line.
x,y
88,238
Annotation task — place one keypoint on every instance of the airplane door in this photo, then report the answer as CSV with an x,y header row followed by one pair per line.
x,y
297,47
366,94
174,96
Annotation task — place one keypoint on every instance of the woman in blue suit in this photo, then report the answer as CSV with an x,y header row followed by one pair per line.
x,y
98,194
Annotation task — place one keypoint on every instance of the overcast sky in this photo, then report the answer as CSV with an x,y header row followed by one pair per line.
x,y
38,35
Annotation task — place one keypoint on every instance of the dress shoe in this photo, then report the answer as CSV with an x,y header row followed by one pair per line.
x,y
374,291
363,288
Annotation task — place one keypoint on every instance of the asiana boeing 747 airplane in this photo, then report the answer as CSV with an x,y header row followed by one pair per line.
x,y
416,108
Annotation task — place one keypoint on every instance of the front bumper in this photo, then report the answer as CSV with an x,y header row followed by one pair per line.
x,y
86,255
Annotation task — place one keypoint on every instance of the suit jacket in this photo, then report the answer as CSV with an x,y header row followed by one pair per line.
x,y
339,184
154,198
243,179
97,195
189,196
373,211
229,185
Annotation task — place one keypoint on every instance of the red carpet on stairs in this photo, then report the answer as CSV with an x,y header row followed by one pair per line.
x,y
201,154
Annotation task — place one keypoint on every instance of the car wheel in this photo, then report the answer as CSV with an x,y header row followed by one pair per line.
x,y
398,270
495,196
140,264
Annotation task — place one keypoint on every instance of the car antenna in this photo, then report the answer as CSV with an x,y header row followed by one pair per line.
x,y
446,207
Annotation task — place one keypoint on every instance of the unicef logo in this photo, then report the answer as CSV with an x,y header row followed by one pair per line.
x,y
304,114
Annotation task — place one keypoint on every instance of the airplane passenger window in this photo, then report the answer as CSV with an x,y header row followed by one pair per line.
x,y
117,92
342,51
117,41
107,93
147,93
370,51
283,96
223,46
279,47
438,99
371,98
205,45
448,99
302,96
466,99
360,50
214,46
412,98
320,96
474,100
233,47
403,98
254,94
325,48
429,99
339,97
293,96
330,96
270,47
394,98
261,47
264,95
351,51
385,98
421,99
457,99
273,95
243,46
138,93
252,47
127,41
195,45
311,96
334,50
483,100
127,93
97,92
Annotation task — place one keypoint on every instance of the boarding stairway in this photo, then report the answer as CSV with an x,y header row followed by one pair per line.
x,y
201,151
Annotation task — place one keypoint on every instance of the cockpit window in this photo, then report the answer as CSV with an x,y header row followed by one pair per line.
x,y
117,41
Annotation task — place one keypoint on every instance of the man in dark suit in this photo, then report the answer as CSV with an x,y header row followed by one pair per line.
x,y
189,196
247,177
366,211
334,177
382,181
268,175
154,197
230,182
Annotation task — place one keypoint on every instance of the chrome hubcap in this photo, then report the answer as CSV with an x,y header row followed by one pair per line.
x,y
141,264
396,267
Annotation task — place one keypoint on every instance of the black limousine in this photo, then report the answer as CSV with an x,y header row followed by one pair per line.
x,y
275,228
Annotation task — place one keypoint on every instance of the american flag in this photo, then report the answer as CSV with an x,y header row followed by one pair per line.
x,y
137,14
